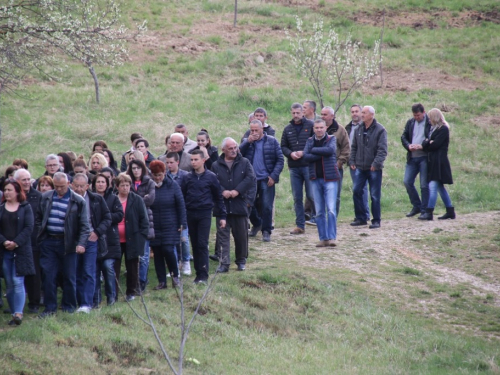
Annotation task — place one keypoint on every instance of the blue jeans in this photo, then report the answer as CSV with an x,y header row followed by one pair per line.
x,y
262,210
339,191
374,179
144,264
185,254
436,187
86,274
106,266
15,284
413,167
53,261
365,194
299,177
325,195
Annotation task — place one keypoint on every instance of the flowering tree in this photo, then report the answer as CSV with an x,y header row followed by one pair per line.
x,y
36,34
331,62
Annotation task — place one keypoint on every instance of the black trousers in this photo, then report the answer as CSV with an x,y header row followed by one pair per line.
x,y
33,283
237,225
132,267
199,223
165,254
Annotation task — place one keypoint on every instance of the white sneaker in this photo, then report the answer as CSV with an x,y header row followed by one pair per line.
x,y
84,309
186,268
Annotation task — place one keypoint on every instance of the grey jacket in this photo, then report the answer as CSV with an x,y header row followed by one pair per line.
x,y
370,149
76,223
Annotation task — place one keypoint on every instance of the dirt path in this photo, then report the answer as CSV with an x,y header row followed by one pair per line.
x,y
404,258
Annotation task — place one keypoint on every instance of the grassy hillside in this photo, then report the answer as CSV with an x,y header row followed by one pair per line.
x,y
282,316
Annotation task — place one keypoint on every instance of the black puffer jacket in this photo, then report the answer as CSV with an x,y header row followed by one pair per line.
x,y
33,198
112,235
291,141
100,218
24,254
146,190
169,213
241,178
136,226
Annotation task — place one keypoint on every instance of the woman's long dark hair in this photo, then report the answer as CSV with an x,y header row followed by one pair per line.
x,y
144,170
112,161
68,164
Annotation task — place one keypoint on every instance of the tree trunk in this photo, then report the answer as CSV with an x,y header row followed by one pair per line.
x,y
380,50
96,83
235,12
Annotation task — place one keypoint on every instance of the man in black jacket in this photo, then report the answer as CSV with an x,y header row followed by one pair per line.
x,y
293,141
416,130
368,153
63,225
33,283
202,192
237,179
99,221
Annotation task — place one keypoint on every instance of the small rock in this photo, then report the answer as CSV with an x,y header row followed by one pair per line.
x,y
259,59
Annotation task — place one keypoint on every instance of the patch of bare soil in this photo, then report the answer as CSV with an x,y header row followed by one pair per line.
x,y
426,19
149,46
460,254
410,81
487,122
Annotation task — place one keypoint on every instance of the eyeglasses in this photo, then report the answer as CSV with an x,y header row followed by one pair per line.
x,y
136,169
52,165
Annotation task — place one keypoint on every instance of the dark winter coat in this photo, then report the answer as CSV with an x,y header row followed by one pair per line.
x,y
169,213
407,136
136,226
112,235
273,156
203,192
241,178
76,223
328,156
33,198
370,150
23,253
291,141
100,217
439,168
147,192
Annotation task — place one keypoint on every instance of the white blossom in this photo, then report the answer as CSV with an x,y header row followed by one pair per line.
x,y
332,62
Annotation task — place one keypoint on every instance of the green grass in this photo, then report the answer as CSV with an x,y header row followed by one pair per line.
x,y
283,315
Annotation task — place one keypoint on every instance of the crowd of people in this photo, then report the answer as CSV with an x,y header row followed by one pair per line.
x,y
73,226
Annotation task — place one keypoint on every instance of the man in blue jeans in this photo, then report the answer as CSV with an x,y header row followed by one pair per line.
x,y
351,130
293,141
321,154
173,171
86,263
64,229
368,153
264,152
416,130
